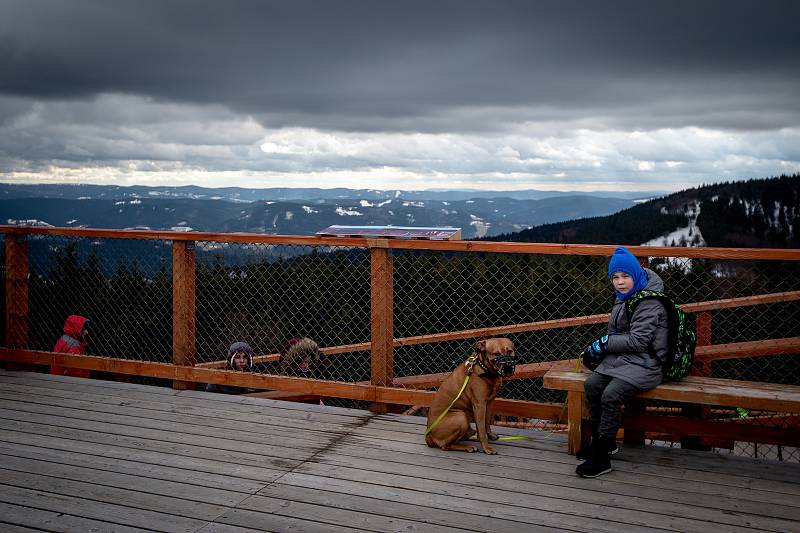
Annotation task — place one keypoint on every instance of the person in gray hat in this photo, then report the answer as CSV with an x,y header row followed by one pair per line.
x,y
240,357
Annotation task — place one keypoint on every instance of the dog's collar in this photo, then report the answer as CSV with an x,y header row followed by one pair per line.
x,y
473,360
489,373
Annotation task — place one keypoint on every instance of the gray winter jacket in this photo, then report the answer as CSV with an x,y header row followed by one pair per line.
x,y
636,349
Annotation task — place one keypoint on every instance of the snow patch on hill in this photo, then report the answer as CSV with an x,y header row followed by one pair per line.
x,y
29,222
686,236
341,211
480,225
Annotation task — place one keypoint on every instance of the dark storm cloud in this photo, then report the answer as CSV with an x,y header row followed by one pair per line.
x,y
431,66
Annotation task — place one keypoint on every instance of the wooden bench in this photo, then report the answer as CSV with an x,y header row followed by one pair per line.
x,y
696,390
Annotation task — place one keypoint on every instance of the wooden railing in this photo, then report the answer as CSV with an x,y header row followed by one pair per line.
x,y
383,388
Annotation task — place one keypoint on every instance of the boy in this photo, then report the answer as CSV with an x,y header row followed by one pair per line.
x,y
240,357
628,359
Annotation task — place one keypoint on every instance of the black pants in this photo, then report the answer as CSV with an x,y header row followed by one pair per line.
x,y
605,396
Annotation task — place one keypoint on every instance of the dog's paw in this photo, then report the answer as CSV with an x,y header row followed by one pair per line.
x,y
472,449
492,435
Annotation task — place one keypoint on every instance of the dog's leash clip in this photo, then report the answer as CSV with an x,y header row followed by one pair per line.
x,y
470,363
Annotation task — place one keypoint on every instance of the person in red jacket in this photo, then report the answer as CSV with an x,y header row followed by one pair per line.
x,y
73,341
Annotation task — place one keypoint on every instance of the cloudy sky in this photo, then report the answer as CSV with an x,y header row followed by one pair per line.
x,y
567,95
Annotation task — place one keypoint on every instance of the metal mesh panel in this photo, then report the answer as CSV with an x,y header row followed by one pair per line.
x,y
266,295
438,293
123,286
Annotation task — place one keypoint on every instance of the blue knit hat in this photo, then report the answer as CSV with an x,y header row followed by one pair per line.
x,y
624,261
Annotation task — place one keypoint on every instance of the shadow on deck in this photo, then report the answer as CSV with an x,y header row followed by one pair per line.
x,y
79,455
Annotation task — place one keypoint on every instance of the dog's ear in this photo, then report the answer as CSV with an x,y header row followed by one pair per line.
x,y
480,346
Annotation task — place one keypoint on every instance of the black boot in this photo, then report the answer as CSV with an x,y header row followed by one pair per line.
x,y
599,462
586,451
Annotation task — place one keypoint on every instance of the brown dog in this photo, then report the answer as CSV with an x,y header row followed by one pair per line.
x,y
493,359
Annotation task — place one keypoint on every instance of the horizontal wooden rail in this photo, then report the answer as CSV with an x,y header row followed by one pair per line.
x,y
198,236
526,371
743,301
675,427
587,320
737,350
768,254
283,395
311,387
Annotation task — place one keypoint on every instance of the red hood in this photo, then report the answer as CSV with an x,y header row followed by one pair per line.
x,y
74,325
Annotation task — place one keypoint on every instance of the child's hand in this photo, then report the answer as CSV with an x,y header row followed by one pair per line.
x,y
600,346
594,353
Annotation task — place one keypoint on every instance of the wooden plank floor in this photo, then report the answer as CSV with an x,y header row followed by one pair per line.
x,y
89,455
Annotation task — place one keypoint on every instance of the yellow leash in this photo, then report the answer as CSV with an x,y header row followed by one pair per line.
x,y
470,363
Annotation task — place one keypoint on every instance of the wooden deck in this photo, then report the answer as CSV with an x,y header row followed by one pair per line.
x,y
81,455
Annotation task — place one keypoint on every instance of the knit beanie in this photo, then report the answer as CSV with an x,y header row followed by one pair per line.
x,y
624,261
240,347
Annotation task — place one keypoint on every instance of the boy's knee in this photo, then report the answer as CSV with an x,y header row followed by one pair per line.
x,y
618,393
593,387
610,400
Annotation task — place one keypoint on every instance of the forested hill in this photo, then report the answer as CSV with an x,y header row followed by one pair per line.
x,y
755,213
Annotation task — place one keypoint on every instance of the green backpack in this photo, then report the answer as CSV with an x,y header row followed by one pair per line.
x,y
682,335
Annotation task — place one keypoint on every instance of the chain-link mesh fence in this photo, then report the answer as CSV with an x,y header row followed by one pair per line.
x,y
123,286
268,294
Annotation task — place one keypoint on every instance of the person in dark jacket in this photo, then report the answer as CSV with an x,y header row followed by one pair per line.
x,y
73,341
630,359
240,357
301,357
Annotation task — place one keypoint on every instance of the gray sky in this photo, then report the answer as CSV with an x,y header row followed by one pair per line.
x,y
577,95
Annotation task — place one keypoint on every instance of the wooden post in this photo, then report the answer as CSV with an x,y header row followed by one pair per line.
x,y
574,421
382,325
634,437
16,263
183,308
703,325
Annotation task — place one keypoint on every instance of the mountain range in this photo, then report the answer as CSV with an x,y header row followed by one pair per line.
x,y
754,213
281,194
311,210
